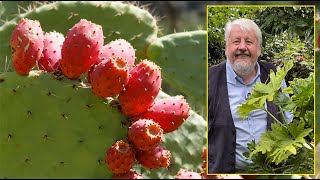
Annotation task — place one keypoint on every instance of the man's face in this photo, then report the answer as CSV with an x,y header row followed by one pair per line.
x,y
242,50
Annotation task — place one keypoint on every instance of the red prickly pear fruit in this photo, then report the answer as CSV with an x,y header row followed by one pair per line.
x,y
81,48
128,175
51,53
155,158
186,174
204,154
169,113
120,48
120,157
26,45
142,88
145,134
109,77
204,159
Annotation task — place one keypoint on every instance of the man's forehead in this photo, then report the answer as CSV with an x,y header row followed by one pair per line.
x,y
237,32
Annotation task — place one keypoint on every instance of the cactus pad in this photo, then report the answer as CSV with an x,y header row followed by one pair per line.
x,y
182,57
53,128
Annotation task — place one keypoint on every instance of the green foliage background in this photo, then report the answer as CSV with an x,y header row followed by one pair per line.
x,y
287,32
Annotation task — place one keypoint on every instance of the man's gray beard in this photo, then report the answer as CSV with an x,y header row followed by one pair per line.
x,y
243,69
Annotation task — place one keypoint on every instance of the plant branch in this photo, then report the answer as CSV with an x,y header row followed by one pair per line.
x,y
273,117
283,117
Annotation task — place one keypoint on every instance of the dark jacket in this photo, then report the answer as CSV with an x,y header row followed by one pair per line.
x,y
221,129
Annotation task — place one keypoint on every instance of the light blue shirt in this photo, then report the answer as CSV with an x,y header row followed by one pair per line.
x,y
255,124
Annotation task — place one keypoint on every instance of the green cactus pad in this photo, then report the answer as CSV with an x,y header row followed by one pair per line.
x,y
182,57
185,144
10,9
53,128
118,20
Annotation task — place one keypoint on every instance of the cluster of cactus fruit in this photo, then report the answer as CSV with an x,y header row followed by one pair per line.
x,y
111,72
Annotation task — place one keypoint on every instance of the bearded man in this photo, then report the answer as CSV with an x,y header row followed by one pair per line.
x,y
229,84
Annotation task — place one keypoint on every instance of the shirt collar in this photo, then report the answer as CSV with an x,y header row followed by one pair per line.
x,y
233,77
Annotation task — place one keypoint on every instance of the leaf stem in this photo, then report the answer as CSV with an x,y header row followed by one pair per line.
x,y
283,117
273,117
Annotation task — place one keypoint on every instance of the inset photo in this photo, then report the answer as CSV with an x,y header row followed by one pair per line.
x,y
261,73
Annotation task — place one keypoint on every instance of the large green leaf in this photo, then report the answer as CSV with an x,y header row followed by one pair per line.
x,y
282,142
262,92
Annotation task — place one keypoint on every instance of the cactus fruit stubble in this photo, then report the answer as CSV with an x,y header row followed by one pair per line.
x,y
51,53
26,45
81,48
109,77
143,87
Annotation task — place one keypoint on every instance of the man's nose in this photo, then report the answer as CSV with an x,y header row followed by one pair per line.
x,y
242,46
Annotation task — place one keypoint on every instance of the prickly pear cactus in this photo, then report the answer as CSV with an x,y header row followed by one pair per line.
x,y
53,128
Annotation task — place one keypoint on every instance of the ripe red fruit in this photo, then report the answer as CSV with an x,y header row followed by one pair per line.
x,y
81,48
51,53
155,158
120,157
119,48
109,77
26,45
145,134
168,112
128,175
186,174
142,88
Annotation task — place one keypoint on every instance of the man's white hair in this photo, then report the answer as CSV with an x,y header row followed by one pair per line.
x,y
246,25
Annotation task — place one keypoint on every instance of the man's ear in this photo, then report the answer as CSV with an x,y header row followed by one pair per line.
x,y
261,51
225,49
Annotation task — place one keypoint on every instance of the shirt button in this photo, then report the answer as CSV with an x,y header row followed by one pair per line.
x,y
233,132
232,153
233,143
